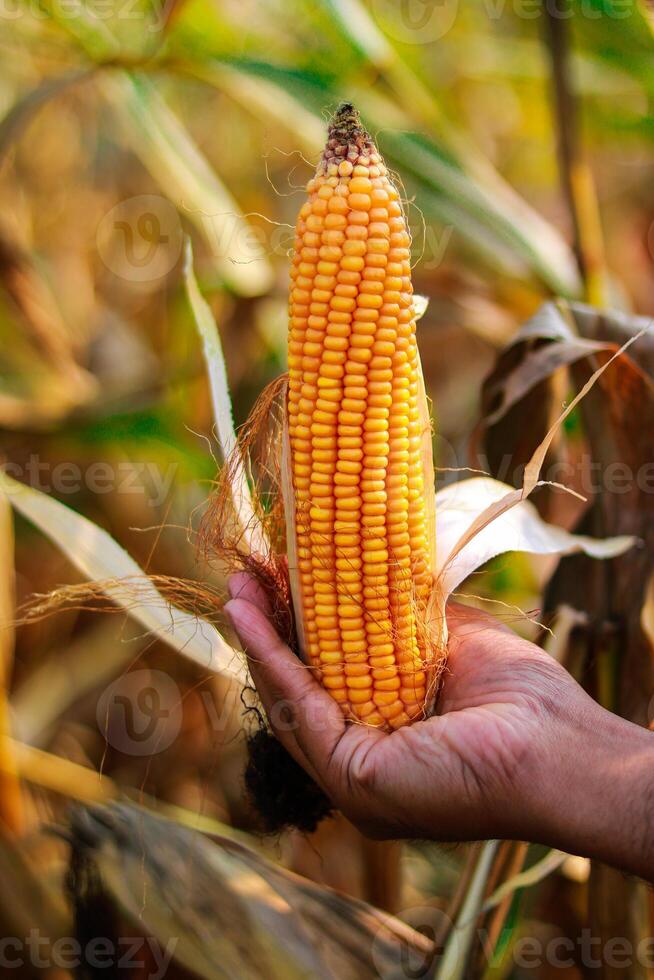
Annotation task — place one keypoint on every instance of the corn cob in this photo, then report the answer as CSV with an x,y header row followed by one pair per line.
x,y
363,530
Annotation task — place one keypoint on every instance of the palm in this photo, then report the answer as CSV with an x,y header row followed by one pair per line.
x,y
512,751
446,770
488,716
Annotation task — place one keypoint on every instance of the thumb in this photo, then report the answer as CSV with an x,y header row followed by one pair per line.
x,y
258,637
306,720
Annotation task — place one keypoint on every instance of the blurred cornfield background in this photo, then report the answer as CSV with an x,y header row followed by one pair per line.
x,y
522,136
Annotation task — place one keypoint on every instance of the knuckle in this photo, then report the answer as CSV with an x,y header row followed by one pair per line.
x,y
362,772
543,682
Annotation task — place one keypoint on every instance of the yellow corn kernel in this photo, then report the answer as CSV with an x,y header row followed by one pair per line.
x,y
355,425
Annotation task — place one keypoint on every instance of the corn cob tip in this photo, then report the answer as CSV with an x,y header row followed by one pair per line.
x,y
346,121
347,139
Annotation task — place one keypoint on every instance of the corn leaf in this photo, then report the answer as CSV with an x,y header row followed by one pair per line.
x,y
91,31
492,218
253,535
165,147
454,184
234,913
420,304
627,50
518,529
491,513
19,116
361,30
525,228
454,962
267,102
7,592
12,815
77,668
102,560
527,878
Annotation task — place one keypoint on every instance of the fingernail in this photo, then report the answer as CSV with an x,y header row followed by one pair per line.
x,y
229,612
235,583
232,610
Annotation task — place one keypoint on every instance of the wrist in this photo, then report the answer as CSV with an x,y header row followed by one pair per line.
x,y
597,795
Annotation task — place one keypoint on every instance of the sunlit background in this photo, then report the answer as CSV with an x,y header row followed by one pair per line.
x,y
522,141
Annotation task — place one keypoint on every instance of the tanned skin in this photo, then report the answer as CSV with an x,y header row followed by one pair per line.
x,y
517,749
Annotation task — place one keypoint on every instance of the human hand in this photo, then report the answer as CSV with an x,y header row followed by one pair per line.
x,y
516,750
